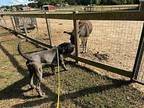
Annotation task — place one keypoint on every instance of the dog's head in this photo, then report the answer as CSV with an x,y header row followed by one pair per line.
x,y
65,48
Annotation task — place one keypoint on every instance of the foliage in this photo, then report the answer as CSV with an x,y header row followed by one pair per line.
x,y
86,2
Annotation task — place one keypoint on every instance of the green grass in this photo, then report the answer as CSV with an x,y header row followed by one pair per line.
x,y
80,87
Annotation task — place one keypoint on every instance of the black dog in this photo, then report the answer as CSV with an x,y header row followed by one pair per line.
x,y
36,61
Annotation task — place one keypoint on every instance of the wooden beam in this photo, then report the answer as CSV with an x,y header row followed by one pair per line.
x,y
48,29
139,56
135,15
103,66
27,37
76,38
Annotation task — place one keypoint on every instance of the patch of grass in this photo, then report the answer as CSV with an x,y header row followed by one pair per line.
x,y
82,88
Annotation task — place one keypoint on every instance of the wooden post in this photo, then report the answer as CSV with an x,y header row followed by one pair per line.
x,y
139,55
48,29
141,7
2,18
36,24
24,25
76,28
140,50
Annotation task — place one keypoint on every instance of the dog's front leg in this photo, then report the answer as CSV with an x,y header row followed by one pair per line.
x,y
62,62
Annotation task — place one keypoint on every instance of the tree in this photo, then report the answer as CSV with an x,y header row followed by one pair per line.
x,y
86,2
40,3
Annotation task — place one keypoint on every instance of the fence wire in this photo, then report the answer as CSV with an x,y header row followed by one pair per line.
x,y
114,43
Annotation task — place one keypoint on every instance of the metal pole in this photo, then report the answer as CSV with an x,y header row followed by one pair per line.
x,y
13,23
2,18
48,29
76,28
24,25
138,56
140,49
36,24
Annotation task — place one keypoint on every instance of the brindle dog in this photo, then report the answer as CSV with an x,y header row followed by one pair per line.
x,y
36,61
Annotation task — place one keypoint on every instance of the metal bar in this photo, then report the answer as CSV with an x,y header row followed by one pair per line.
x,y
28,38
13,23
138,56
103,66
24,25
133,15
48,29
138,82
75,23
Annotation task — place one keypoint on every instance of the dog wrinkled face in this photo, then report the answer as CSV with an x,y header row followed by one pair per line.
x,y
66,48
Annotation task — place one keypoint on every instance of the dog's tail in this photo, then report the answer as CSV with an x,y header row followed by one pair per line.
x,y
22,54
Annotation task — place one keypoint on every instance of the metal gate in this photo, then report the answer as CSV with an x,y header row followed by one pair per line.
x,y
30,23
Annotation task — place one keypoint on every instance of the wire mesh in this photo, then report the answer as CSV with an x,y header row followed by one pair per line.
x,y
6,21
114,43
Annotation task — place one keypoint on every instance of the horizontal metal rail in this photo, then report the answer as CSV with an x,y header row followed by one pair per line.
x,y
96,64
135,15
117,6
103,66
34,41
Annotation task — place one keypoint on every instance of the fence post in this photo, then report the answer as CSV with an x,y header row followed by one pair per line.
x,y
2,18
138,56
140,48
48,28
141,7
24,25
13,23
76,28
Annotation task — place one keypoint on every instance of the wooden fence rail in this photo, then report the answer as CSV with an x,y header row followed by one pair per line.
x,y
134,15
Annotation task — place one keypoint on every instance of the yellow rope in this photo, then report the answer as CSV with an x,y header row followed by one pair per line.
x,y
58,78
